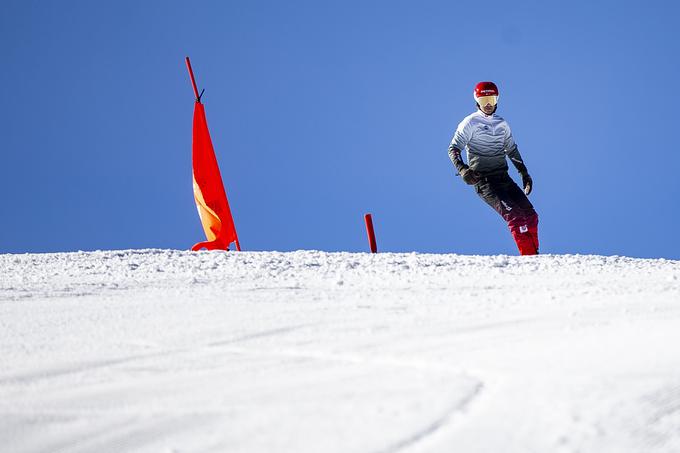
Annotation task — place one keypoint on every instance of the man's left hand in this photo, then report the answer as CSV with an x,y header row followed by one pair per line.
x,y
528,183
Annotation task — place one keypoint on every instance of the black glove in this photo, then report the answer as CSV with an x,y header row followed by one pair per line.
x,y
469,176
527,182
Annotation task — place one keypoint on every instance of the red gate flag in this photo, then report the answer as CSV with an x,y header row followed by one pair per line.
x,y
211,199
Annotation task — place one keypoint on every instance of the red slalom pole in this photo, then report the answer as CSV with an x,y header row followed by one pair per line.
x,y
371,234
193,80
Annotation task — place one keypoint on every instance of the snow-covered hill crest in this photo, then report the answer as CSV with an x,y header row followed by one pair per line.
x,y
161,350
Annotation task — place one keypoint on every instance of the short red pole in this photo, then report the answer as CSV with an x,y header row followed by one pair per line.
x,y
371,234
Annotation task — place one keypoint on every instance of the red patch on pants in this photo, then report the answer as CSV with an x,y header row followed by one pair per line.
x,y
525,233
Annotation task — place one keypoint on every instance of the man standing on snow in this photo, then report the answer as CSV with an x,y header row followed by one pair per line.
x,y
487,139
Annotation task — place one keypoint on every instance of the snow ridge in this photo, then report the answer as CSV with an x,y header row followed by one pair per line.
x,y
308,351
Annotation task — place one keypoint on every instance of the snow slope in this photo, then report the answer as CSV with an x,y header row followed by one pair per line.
x,y
171,351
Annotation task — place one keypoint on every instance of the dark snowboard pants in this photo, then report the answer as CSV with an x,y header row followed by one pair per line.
x,y
506,198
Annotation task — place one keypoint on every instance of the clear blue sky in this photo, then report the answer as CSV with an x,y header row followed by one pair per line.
x,y
323,111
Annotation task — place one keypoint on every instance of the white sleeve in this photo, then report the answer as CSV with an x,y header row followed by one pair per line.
x,y
463,135
509,143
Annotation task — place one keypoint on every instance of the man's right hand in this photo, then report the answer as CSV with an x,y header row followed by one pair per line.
x,y
469,176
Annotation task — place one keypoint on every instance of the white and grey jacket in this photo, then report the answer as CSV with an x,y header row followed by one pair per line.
x,y
487,140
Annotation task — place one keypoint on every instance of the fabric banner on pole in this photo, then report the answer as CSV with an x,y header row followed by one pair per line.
x,y
209,194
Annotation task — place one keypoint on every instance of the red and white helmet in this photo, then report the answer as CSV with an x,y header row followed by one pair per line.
x,y
483,89
486,93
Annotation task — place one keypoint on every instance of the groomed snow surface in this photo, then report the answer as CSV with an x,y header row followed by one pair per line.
x,y
173,351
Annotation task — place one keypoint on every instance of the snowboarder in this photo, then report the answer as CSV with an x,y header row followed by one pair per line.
x,y
487,139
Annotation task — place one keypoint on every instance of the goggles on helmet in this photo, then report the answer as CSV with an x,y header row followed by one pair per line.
x,y
483,100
